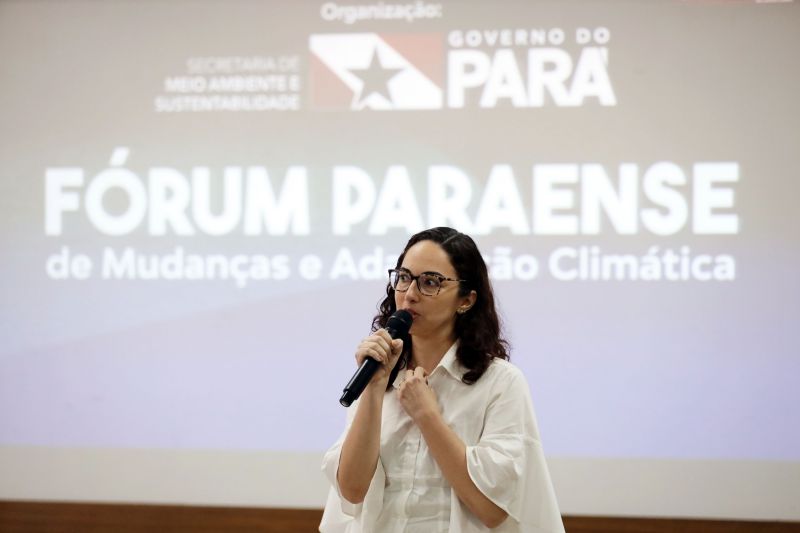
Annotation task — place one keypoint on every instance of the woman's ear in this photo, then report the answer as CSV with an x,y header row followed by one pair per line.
x,y
467,302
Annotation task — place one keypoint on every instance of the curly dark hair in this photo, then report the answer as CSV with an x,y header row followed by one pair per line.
x,y
478,330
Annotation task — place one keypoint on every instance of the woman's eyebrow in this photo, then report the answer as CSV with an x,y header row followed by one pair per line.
x,y
425,272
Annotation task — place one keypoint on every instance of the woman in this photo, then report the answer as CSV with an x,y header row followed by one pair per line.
x,y
444,436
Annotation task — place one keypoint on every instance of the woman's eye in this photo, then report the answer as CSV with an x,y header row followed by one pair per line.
x,y
403,278
431,282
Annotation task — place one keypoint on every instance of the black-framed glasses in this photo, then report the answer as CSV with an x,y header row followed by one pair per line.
x,y
428,283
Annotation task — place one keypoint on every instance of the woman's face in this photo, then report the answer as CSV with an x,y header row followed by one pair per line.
x,y
433,315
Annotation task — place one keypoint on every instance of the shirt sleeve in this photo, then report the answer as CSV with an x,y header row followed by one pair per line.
x,y
508,464
341,515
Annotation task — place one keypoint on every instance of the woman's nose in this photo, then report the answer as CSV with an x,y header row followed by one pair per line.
x,y
413,291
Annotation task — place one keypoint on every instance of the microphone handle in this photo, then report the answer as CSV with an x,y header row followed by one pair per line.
x,y
359,381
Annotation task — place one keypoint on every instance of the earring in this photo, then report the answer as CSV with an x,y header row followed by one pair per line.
x,y
461,311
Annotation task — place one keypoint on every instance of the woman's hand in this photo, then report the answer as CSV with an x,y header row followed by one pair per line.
x,y
381,347
416,396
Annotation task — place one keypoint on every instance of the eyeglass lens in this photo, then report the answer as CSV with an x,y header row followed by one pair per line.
x,y
427,283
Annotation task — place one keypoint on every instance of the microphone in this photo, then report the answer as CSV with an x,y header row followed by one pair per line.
x,y
397,327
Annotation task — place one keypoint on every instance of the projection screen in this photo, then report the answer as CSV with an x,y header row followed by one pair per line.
x,y
200,201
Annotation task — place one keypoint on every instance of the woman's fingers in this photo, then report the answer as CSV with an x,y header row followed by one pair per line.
x,y
382,339
397,347
417,373
377,354
370,350
379,346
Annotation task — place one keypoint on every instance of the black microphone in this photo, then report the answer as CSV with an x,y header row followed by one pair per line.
x,y
397,326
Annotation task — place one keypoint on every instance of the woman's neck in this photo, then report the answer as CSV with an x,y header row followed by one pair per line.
x,y
428,351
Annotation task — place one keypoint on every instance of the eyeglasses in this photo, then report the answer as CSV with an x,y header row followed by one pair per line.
x,y
428,283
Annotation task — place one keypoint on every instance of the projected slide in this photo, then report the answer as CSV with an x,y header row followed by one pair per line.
x,y
200,202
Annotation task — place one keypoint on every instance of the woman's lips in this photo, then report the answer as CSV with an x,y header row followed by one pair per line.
x,y
414,314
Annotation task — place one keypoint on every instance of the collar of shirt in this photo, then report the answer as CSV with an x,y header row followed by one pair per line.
x,y
449,363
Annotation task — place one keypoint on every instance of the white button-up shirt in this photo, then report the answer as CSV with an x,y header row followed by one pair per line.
x,y
494,418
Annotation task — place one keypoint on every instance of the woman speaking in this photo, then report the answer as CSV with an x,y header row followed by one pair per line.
x,y
444,436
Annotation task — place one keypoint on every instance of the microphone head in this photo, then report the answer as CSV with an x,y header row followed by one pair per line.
x,y
399,323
